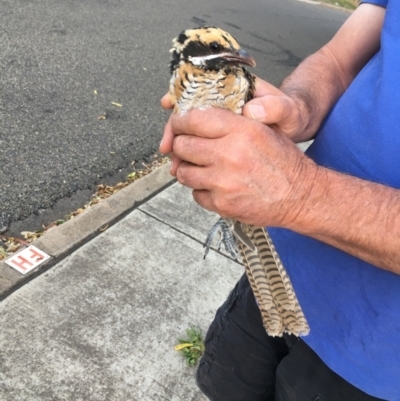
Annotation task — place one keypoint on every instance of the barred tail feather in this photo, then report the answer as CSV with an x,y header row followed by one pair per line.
x,y
278,279
271,285
271,318
254,273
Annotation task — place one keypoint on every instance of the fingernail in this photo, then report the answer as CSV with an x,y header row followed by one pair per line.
x,y
257,111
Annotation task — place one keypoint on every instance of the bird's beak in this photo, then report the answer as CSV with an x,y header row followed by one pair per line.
x,y
240,57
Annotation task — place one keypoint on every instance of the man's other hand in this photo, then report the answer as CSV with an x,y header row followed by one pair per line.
x,y
272,107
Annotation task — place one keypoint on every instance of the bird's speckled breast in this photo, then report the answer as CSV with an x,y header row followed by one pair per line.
x,y
193,87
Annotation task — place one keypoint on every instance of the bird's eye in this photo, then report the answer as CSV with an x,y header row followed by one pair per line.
x,y
214,46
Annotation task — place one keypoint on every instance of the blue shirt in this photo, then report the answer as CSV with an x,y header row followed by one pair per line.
x,y
352,307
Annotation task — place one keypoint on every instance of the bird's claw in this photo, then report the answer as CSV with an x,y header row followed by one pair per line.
x,y
225,237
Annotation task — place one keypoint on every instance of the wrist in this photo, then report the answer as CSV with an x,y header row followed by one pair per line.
x,y
308,190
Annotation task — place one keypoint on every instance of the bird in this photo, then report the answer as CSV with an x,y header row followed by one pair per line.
x,y
208,70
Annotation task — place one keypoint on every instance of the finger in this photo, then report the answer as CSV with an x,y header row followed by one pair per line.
x,y
175,162
208,123
203,198
166,102
192,176
264,88
167,139
270,109
195,150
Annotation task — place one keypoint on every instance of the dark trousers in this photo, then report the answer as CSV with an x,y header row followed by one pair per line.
x,y
241,362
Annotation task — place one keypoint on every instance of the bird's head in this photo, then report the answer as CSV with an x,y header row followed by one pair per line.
x,y
209,48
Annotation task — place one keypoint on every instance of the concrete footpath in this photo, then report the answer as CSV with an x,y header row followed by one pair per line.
x,y
99,321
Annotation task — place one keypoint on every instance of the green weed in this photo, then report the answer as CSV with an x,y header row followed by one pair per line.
x,y
192,346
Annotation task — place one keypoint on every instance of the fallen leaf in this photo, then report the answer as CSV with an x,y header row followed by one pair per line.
x,y
13,248
14,239
182,346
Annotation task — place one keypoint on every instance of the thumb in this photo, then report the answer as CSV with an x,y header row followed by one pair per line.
x,y
166,102
270,109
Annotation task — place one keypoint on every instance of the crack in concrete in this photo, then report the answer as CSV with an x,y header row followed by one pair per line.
x,y
184,233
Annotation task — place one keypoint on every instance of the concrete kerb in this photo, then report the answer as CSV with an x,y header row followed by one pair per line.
x,y
60,241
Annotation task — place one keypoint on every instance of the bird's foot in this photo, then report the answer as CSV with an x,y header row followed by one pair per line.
x,y
226,237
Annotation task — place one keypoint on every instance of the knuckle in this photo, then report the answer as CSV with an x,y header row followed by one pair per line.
x,y
221,206
283,107
179,143
195,119
199,197
291,110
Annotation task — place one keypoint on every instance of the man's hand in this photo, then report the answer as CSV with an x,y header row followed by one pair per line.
x,y
238,167
272,107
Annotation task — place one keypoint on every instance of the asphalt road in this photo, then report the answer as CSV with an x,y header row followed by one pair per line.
x,y
54,55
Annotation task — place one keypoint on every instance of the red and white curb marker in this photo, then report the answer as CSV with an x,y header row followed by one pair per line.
x,y
27,259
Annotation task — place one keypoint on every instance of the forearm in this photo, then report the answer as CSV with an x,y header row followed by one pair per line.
x,y
320,79
357,216
314,96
